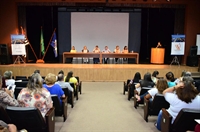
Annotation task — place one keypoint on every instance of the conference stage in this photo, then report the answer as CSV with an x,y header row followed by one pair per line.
x,y
96,72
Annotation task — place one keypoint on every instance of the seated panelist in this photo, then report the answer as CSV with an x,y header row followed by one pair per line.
x,y
96,50
106,50
85,50
116,50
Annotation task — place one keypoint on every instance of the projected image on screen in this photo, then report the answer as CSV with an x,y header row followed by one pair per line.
x,y
91,29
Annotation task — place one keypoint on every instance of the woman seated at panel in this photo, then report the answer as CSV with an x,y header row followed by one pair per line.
x,y
73,50
85,50
106,50
96,50
170,79
116,50
183,95
6,98
53,88
125,51
160,87
35,95
146,82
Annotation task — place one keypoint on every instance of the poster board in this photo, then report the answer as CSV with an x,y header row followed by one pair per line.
x,y
198,44
178,45
18,44
18,49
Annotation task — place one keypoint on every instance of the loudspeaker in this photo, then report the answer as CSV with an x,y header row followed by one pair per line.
x,y
193,50
4,54
192,61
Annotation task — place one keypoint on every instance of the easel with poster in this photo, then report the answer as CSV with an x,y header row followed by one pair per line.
x,y
177,47
18,48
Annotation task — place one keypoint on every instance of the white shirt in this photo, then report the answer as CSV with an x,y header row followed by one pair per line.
x,y
65,85
10,82
176,104
153,92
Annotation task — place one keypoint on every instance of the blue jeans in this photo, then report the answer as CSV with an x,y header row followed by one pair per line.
x,y
142,96
158,122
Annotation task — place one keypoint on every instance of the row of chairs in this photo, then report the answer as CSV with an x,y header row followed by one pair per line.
x,y
183,122
28,118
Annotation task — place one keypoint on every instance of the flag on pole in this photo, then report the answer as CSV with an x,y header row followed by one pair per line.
x,y
54,44
42,43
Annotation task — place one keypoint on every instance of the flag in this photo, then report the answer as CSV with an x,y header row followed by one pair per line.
x,y
54,44
42,43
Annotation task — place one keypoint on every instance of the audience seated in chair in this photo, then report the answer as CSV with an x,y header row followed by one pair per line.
x,y
160,87
53,88
71,79
154,76
185,96
31,119
136,79
6,97
35,95
170,79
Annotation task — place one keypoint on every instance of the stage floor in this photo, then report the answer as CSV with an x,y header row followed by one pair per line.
x,y
96,72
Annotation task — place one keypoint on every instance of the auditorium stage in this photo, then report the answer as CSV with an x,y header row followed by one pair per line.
x,y
96,72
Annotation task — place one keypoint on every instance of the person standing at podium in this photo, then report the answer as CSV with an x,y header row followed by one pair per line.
x,y
159,45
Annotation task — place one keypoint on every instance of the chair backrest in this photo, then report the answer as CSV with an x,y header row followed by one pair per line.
x,y
144,90
4,116
185,120
128,81
158,103
77,78
20,77
17,91
57,105
21,84
72,85
65,90
28,118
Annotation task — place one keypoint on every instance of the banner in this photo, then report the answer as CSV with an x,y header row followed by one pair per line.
x,y
54,44
42,43
178,45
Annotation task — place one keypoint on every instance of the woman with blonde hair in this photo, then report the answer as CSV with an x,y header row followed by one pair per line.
x,y
35,96
53,88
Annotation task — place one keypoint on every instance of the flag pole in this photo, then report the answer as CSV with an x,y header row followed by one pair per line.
x,y
40,60
48,44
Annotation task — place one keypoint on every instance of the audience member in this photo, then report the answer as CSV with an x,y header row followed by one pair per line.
x,y
154,76
53,88
71,79
170,79
6,98
37,71
35,95
185,96
8,78
183,74
146,82
116,50
136,78
96,50
61,72
160,87
8,127
106,50
63,84
85,50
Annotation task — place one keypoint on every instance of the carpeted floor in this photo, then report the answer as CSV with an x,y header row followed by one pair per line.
x,y
103,108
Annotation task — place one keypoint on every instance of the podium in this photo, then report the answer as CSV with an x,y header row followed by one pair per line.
x,y
157,55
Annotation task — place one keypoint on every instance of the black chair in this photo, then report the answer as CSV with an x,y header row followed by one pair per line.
x,y
75,90
4,116
125,89
131,90
70,96
23,78
143,91
154,107
31,119
17,91
184,121
21,84
60,109
79,84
